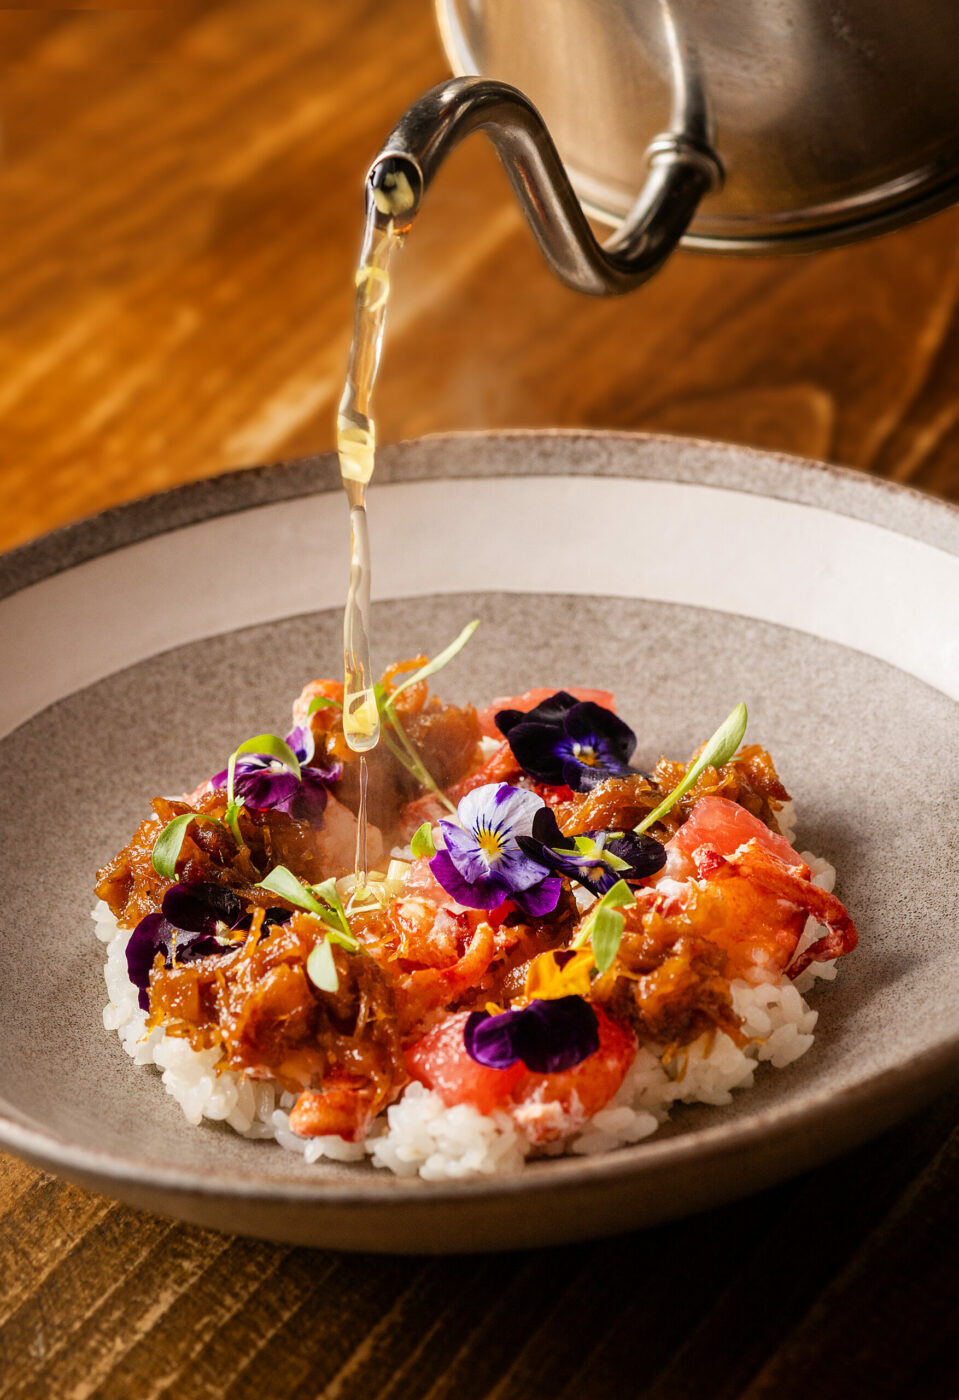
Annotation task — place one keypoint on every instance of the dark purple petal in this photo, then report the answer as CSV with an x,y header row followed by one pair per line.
x,y
550,711
547,1036
309,801
264,788
490,1040
540,750
198,908
155,934
644,853
547,844
591,723
547,831
262,783
327,770
565,740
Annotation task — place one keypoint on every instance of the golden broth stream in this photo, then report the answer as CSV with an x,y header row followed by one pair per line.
x,y
356,446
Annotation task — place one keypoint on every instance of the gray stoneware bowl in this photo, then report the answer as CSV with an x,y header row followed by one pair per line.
x,y
142,645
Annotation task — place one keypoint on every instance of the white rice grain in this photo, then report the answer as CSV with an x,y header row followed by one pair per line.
x,y
420,1135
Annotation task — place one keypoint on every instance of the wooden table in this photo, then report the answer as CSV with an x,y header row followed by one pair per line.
x,y
180,213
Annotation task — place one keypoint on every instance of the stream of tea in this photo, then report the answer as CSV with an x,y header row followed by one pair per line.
x,y
356,446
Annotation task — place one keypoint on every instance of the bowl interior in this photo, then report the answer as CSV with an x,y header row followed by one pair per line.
x,y
862,743
79,775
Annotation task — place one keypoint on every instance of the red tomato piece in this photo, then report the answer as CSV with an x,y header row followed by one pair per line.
x,y
534,697
547,1106
440,1061
552,1106
725,826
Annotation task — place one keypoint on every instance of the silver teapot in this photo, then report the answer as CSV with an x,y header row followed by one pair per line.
x,y
727,125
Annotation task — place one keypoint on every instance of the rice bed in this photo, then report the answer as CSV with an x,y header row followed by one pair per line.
x,y
419,1134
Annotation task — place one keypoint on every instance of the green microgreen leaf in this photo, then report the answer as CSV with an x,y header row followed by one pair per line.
x,y
605,924
323,702
442,659
422,842
284,883
321,969
618,896
166,848
335,915
322,900
719,749
606,937
590,848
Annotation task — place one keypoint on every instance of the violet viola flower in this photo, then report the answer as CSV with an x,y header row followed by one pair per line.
x,y
565,740
483,864
188,926
262,782
597,859
548,1036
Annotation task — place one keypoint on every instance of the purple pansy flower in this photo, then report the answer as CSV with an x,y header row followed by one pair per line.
x,y
187,925
586,858
262,782
548,1036
483,863
565,740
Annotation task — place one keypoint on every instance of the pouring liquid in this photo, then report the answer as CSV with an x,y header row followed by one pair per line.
x,y
356,446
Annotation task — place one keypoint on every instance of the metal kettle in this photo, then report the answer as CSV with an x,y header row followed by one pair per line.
x,y
727,125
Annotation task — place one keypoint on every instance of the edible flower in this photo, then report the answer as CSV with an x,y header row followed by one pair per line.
x,y
563,972
189,925
565,740
262,781
483,863
596,859
548,1036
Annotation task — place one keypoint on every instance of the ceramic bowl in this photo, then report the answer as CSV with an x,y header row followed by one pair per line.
x,y
142,645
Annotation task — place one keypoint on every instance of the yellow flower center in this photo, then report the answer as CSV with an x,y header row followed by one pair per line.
x,y
489,843
586,756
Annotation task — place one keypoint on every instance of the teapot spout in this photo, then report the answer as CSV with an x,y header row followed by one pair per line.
x,y
683,168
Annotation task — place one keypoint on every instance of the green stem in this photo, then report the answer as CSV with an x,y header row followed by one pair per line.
x,y
410,758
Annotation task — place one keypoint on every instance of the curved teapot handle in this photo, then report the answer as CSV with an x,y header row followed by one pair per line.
x,y
683,169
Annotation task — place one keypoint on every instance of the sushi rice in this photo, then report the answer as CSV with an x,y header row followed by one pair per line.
x,y
420,1135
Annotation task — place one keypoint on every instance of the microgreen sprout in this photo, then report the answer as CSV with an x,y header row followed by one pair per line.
x,y
322,900
422,842
398,742
442,659
719,749
321,969
323,702
166,848
603,929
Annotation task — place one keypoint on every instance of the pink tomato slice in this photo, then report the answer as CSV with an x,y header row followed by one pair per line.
x,y
547,1106
725,826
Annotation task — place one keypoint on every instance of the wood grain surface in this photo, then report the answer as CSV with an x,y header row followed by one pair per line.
x,y
180,197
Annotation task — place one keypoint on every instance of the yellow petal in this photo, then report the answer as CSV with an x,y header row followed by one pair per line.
x,y
546,981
